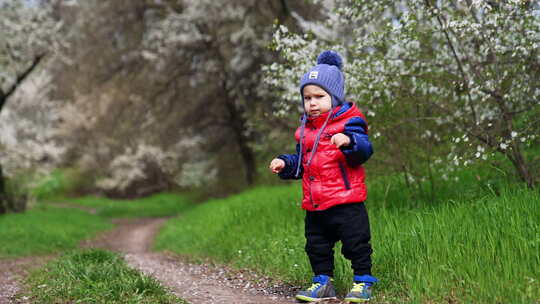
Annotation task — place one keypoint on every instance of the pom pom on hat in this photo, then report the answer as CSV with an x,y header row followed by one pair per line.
x,y
330,58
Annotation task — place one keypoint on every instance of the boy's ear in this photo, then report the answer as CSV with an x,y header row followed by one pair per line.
x,y
335,101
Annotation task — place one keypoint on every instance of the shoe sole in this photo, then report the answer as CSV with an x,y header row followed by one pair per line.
x,y
309,299
355,300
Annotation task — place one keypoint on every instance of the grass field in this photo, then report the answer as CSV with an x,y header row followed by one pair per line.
x,y
162,204
62,184
477,248
45,230
94,276
91,276
471,243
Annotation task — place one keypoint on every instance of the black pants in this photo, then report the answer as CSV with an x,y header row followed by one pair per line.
x,y
347,223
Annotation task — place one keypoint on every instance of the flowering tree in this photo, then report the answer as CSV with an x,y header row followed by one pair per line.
x,y
225,43
29,33
449,81
154,74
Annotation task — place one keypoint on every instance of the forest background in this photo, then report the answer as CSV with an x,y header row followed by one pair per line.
x,y
132,98
175,107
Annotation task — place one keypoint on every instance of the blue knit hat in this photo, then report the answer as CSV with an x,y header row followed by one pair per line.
x,y
327,75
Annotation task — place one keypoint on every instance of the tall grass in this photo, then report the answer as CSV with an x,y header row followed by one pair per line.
x,y
479,251
482,248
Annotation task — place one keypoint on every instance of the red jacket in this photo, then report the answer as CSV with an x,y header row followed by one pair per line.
x,y
335,175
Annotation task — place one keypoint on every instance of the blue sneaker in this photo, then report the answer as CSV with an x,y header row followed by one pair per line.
x,y
321,289
361,291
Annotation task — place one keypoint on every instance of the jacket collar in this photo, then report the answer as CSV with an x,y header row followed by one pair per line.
x,y
338,111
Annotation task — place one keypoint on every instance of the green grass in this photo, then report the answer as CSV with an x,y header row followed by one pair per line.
x,y
478,248
63,185
60,182
45,230
50,186
162,204
94,276
260,227
482,251
463,185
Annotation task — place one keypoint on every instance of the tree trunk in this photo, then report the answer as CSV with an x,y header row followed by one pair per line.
x,y
20,78
238,124
3,99
521,167
3,196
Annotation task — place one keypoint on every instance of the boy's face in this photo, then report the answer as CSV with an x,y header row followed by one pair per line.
x,y
316,100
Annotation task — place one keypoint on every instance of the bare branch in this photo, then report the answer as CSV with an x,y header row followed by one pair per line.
x,y
20,79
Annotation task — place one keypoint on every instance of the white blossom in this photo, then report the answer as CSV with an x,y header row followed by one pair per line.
x,y
388,63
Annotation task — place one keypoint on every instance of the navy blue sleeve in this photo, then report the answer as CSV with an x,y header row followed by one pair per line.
x,y
291,163
360,149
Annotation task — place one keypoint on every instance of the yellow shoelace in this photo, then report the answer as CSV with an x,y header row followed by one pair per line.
x,y
314,286
358,287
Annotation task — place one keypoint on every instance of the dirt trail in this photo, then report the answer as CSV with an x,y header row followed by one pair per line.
x,y
12,272
194,283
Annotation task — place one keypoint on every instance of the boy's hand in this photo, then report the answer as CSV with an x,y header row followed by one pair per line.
x,y
276,165
340,140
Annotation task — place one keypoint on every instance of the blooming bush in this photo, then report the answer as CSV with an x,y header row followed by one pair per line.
x,y
138,172
443,83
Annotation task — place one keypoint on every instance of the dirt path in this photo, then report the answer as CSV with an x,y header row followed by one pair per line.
x,y
12,272
194,283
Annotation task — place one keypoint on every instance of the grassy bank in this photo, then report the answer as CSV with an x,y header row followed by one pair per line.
x,y
45,230
64,186
162,204
479,248
94,276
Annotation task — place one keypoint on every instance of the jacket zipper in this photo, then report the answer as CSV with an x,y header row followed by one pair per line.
x,y
344,176
311,179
